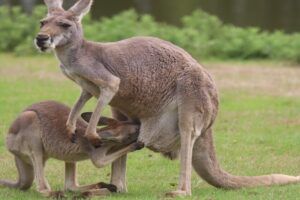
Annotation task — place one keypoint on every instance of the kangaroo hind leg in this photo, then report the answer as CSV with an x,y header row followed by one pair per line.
x,y
71,183
190,127
118,167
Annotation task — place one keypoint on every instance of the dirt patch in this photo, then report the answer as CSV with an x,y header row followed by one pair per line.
x,y
14,73
267,79
257,78
289,122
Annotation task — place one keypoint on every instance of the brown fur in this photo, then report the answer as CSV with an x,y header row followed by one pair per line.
x,y
39,133
151,81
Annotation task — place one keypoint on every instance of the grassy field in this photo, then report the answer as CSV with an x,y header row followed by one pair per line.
x,y
257,131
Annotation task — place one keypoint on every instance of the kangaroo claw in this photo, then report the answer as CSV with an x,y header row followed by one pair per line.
x,y
96,142
74,137
110,187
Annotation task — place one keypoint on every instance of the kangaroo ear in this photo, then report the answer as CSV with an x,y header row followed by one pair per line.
x,y
54,5
103,121
81,8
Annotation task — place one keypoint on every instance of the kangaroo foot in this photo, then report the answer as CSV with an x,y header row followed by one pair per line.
x,y
177,193
110,187
89,194
55,195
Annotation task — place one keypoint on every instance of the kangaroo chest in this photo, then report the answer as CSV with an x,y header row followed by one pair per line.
x,y
137,99
82,82
142,91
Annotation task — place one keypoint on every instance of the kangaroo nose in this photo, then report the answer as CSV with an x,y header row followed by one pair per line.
x,y
42,37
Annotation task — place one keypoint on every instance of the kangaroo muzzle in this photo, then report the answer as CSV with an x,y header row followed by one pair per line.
x,y
43,42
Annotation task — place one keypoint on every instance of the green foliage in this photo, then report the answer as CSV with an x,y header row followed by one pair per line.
x,y
17,30
201,34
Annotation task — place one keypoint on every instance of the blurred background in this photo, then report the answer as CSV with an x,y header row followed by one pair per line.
x,y
267,14
207,29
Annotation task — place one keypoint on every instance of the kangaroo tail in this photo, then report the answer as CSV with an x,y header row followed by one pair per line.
x,y
25,173
208,168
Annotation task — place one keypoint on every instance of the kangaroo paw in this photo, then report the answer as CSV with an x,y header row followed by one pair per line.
x,y
95,141
74,137
138,146
91,193
110,187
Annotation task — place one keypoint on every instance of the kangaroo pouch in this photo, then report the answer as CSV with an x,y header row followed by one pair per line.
x,y
161,133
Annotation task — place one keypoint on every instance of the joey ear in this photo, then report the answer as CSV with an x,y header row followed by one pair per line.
x,y
54,5
81,8
103,121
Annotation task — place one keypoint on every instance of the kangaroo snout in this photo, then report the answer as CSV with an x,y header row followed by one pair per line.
x,y
42,37
43,42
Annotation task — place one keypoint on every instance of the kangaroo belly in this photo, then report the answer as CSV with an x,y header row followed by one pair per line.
x,y
57,145
69,157
161,133
66,152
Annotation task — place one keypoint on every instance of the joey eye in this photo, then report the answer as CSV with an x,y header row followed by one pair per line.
x,y
64,25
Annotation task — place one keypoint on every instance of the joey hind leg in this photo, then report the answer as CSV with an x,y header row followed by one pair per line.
x,y
38,162
71,183
190,129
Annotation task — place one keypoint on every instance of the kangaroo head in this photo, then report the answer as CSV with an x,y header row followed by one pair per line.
x,y
114,130
61,27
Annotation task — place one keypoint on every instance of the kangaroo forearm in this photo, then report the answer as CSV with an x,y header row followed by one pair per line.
x,y
75,111
105,97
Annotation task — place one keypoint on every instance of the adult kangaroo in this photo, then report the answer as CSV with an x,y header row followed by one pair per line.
x,y
40,133
148,80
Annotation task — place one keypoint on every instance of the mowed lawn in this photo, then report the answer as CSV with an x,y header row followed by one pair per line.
x,y
257,130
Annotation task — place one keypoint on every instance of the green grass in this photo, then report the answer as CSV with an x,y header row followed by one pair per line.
x,y
256,133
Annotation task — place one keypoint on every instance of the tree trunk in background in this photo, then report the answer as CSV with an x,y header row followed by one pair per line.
x,y
8,4
28,5
144,6
267,14
69,3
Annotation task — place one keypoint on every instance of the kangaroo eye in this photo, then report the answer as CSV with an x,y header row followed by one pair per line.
x,y
42,23
64,25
